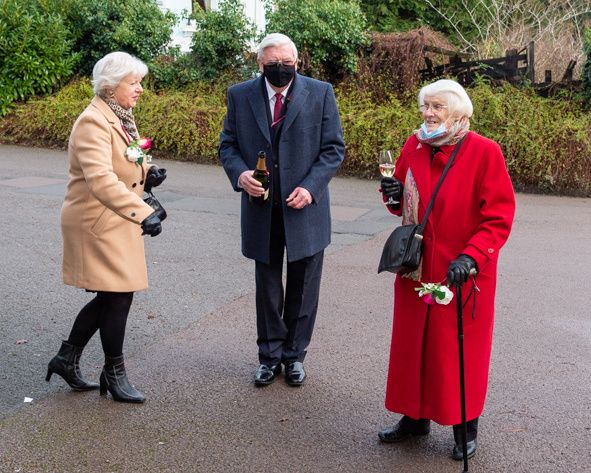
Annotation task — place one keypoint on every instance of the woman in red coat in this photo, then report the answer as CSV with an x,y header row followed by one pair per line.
x,y
470,221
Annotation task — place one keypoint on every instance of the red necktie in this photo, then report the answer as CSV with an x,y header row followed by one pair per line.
x,y
277,109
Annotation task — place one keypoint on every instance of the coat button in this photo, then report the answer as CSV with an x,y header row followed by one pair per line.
x,y
141,183
133,214
134,184
275,166
491,251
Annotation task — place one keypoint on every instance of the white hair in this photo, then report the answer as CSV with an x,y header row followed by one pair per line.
x,y
109,71
274,40
458,101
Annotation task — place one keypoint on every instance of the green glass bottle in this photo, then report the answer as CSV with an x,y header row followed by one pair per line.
x,y
261,174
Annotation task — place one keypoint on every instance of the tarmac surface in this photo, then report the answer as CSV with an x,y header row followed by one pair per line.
x,y
191,348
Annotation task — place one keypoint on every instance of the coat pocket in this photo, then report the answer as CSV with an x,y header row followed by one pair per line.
x,y
101,222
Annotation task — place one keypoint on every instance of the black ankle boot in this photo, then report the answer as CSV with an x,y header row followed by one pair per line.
x,y
114,379
405,429
67,364
472,432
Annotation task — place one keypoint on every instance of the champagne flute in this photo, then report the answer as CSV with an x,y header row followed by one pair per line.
x,y
387,169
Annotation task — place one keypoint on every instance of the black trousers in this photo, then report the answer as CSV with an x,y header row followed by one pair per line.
x,y
285,316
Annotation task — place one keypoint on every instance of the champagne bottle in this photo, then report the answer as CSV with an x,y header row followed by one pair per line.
x,y
261,174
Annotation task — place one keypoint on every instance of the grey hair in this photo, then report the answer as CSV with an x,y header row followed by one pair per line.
x,y
458,101
273,40
109,71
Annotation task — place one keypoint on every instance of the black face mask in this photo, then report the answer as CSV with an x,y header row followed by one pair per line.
x,y
279,74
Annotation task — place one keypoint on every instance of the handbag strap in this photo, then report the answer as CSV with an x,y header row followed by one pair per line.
x,y
443,174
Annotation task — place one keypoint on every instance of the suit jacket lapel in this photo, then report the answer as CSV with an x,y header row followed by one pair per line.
x,y
111,117
295,102
258,101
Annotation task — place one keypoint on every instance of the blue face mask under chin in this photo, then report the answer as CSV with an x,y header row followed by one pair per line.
x,y
441,130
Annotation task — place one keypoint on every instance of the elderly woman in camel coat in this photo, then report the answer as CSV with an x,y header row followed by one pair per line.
x,y
469,223
103,219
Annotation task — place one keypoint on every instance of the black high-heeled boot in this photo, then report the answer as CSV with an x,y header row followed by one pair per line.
x,y
67,364
471,444
114,379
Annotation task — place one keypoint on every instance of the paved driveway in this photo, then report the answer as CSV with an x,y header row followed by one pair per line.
x,y
191,344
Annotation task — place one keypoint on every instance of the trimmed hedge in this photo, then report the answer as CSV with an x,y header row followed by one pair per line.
x,y
546,142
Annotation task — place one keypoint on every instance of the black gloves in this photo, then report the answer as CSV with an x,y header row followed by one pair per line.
x,y
391,188
154,177
151,225
459,269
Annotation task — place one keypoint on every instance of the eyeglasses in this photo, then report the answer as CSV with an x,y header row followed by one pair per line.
x,y
285,63
437,108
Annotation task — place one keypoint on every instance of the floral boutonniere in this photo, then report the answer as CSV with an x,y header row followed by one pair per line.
x,y
435,292
137,151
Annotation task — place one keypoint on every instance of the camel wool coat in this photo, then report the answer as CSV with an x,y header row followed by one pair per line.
x,y
103,207
472,214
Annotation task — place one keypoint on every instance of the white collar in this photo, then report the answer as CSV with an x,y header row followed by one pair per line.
x,y
271,92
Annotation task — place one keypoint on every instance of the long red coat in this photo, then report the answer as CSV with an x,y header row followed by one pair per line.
x,y
472,214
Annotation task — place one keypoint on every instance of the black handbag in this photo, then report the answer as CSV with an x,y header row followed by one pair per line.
x,y
404,247
153,202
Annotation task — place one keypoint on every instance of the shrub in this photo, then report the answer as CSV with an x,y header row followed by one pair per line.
x,y
587,67
172,71
222,40
35,54
546,142
192,124
183,125
99,27
327,33
370,125
47,121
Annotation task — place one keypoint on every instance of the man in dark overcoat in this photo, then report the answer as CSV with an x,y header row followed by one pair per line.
x,y
294,119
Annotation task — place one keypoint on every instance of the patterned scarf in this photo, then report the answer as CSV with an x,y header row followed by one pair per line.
x,y
455,131
126,117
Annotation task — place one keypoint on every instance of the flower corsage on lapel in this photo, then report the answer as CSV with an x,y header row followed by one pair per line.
x,y
137,151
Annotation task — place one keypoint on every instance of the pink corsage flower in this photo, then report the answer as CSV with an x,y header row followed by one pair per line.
x,y
145,143
434,292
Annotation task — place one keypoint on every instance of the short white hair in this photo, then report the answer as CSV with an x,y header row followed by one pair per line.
x,y
458,101
274,40
109,71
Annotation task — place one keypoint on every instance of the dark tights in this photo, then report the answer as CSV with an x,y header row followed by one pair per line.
x,y
107,313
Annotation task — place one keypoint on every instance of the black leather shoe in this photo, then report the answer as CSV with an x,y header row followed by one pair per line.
x,y
405,429
266,374
458,452
294,373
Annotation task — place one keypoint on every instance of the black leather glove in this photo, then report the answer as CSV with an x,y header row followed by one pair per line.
x,y
151,225
154,177
459,269
391,188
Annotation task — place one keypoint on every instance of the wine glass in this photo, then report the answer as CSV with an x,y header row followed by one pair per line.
x,y
387,169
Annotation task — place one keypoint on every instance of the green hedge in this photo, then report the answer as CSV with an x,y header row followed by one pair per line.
x,y
547,142
35,51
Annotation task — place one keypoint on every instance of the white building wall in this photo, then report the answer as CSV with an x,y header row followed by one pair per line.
x,y
183,31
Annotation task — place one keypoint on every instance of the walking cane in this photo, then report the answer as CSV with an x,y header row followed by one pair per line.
x,y
459,305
